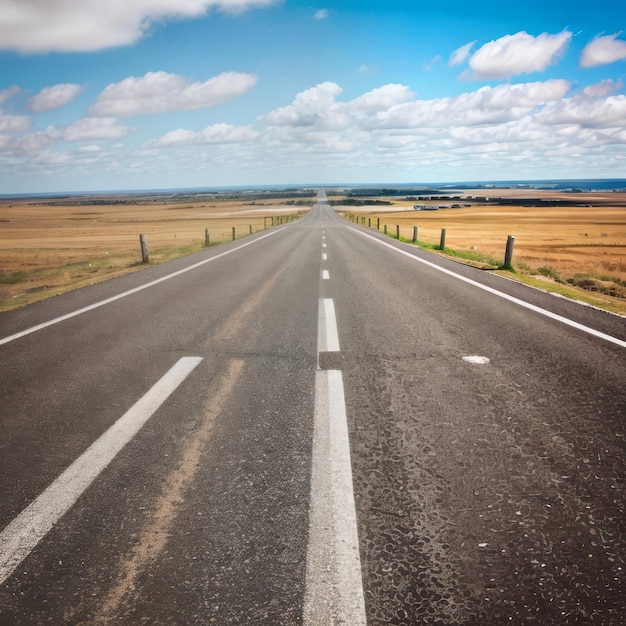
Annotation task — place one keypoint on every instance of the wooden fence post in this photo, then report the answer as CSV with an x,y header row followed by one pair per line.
x,y
206,237
143,242
508,255
233,233
398,232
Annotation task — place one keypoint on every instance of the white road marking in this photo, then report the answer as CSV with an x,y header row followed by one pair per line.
x,y
327,335
500,294
324,256
96,305
325,275
334,589
33,523
476,360
324,245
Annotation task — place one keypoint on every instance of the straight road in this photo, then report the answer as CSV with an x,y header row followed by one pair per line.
x,y
295,428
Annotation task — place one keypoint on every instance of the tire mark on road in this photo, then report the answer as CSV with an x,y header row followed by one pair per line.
x,y
155,535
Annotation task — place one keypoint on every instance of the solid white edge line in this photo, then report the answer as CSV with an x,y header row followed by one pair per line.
x,y
527,305
327,334
22,534
334,587
96,305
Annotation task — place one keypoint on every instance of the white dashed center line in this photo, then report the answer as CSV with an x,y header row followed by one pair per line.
x,y
327,336
334,587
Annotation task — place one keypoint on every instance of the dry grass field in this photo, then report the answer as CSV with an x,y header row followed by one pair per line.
x,y
581,246
46,249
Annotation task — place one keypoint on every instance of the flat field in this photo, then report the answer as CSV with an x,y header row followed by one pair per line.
x,y
567,244
49,247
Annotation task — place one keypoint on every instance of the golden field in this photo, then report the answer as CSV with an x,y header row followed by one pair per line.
x,y
48,248
586,244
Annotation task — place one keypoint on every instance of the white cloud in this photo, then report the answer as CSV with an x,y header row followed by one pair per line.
x,y
517,54
511,125
522,130
487,105
603,88
14,123
8,93
50,98
460,54
587,112
215,134
84,25
430,65
381,98
602,51
53,158
308,108
160,92
94,128
322,14
31,144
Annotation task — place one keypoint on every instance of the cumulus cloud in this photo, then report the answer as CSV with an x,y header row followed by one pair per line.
x,y
517,54
381,98
317,108
322,14
587,112
460,54
30,144
603,50
50,98
94,128
10,92
215,134
522,129
160,92
85,25
487,105
603,88
14,123
308,108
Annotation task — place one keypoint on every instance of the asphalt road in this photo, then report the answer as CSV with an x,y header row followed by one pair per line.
x,y
157,449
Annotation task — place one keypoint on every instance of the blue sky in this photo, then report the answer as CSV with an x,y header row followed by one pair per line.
x,y
138,94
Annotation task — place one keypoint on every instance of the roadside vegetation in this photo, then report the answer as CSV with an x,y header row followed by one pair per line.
x,y
50,248
605,290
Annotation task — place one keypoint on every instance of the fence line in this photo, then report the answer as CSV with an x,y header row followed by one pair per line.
x,y
235,232
355,219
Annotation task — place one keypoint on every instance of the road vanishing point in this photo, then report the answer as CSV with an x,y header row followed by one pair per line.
x,y
313,425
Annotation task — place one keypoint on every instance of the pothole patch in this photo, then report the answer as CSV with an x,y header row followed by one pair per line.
x,y
476,360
